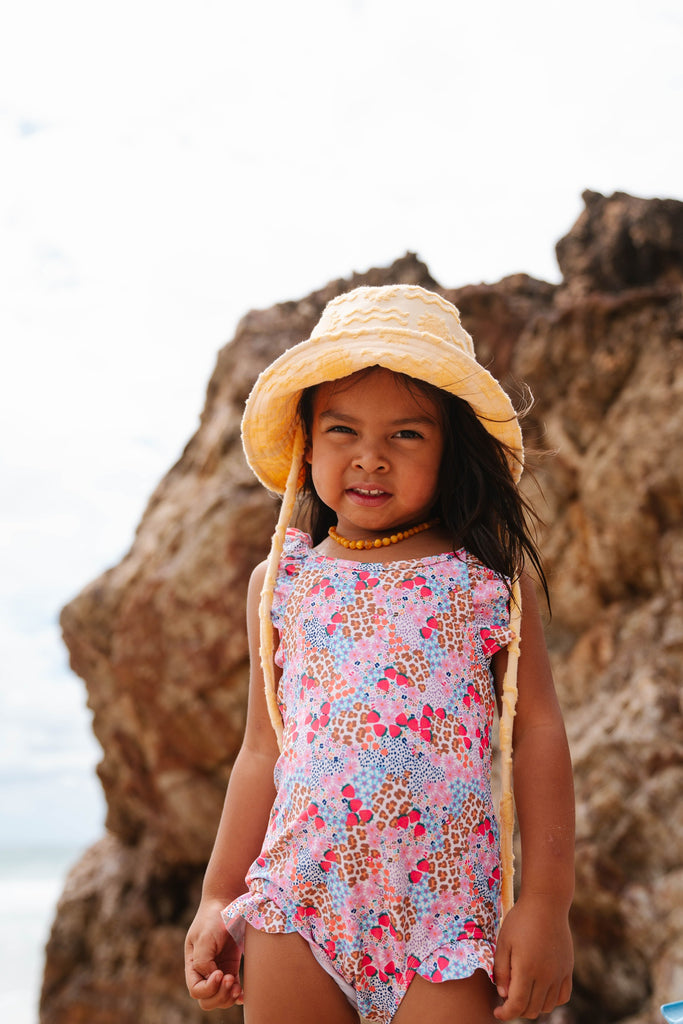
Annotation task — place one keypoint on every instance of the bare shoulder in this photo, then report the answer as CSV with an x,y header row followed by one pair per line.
x,y
258,575
256,581
259,735
530,593
534,672
532,624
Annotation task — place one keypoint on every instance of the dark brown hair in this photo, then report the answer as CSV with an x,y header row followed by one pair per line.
x,y
478,502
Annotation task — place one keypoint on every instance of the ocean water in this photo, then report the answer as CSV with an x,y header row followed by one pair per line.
x,y
31,881
51,803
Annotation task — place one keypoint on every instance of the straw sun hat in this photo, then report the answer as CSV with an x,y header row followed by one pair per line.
x,y
403,328
409,330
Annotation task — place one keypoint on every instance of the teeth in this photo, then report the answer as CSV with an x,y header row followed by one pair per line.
x,y
361,490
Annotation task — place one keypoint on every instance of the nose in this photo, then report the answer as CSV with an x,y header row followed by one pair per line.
x,y
371,461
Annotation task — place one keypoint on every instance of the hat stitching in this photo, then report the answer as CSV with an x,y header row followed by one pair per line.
x,y
367,316
384,292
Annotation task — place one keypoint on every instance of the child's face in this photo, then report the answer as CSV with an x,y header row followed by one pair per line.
x,y
375,452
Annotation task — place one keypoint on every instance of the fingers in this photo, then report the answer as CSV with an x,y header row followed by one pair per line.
x,y
516,1006
565,992
200,973
502,970
206,982
228,993
532,975
217,992
212,961
531,1001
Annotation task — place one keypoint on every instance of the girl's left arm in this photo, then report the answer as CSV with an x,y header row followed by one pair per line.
x,y
534,954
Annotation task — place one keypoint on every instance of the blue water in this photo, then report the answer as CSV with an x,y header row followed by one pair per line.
x,y
31,881
51,803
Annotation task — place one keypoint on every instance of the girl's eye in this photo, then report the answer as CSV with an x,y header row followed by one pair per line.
x,y
408,434
339,428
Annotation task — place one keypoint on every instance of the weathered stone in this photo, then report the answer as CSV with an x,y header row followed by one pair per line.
x,y
161,644
622,242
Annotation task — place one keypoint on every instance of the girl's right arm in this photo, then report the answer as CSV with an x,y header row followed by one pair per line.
x,y
211,955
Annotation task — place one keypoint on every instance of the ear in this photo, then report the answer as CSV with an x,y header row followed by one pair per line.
x,y
308,453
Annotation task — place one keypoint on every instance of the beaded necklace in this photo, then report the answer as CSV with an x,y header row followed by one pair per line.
x,y
394,538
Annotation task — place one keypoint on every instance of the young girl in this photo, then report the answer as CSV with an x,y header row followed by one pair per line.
x,y
358,860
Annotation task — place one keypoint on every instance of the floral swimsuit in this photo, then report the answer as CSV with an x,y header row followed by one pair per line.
x,y
382,847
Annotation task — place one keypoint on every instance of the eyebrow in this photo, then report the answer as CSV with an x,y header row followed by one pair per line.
x,y
332,414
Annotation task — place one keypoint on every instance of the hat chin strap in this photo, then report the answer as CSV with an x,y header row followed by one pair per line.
x,y
506,812
266,649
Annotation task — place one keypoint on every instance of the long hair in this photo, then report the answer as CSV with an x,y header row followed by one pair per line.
x,y
478,502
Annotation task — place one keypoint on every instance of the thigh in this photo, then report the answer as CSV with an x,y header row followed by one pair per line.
x,y
468,1001
285,984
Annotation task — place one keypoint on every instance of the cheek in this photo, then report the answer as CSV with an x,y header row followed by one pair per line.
x,y
326,470
430,477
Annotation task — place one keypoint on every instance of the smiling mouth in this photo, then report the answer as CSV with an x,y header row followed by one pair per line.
x,y
368,497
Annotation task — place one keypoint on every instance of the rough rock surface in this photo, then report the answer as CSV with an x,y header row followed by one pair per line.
x,y
160,641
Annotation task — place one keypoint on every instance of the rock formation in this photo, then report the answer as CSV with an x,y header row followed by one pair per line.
x,y
160,642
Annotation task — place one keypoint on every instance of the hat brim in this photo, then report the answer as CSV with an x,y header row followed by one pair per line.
x,y
270,420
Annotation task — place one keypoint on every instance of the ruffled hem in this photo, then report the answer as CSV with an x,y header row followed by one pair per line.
x,y
490,609
447,962
264,913
455,962
297,544
248,909
296,548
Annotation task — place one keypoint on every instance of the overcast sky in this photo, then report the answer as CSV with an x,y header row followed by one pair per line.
x,y
166,166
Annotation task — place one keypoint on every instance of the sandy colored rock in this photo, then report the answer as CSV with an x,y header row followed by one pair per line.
x,y
160,639
621,242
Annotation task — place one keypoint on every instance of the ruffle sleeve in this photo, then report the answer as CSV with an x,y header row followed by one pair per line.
x,y
296,548
491,609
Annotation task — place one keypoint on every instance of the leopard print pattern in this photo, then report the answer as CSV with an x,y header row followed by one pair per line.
x,y
382,846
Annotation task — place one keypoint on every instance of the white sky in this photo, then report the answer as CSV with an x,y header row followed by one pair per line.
x,y
166,166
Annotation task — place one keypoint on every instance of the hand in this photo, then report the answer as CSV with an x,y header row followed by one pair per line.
x,y
534,959
212,960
